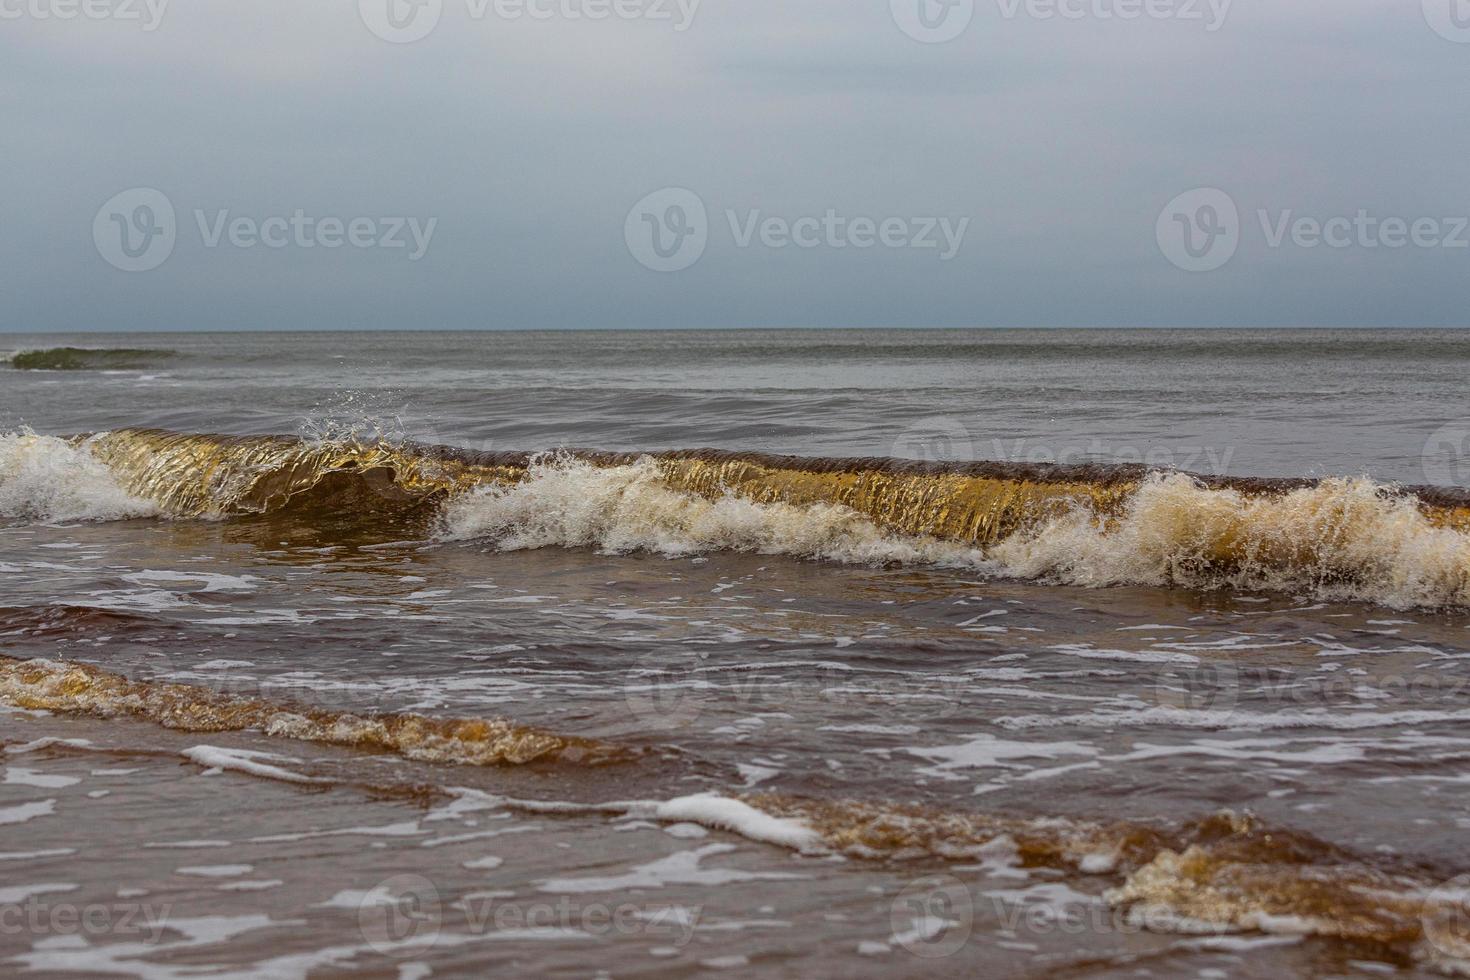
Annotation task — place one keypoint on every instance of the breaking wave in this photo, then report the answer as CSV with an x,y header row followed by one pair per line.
x,y
1080,525
1349,539
88,359
566,502
47,479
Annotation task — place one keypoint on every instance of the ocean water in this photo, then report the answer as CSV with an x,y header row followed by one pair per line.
x,y
909,653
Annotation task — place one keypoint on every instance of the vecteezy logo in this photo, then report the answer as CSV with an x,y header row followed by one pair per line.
x,y
135,230
402,911
1446,918
1449,18
1213,687
401,21
1446,456
932,917
932,21
662,696
937,439
1199,231
668,230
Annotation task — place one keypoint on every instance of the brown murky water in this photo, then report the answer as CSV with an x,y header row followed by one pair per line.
x,y
282,708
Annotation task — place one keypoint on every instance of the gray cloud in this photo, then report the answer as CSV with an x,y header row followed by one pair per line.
x,y
529,141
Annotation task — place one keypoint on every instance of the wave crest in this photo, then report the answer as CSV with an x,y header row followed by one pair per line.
x,y
47,479
1088,526
567,502
1352,539
88,359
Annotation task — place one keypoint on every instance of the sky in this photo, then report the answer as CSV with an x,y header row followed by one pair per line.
x,y
545,164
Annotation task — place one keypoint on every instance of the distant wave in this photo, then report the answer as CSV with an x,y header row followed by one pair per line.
x,y
1081,525
88,359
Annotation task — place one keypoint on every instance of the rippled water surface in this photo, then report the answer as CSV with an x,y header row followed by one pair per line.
x,y
319,707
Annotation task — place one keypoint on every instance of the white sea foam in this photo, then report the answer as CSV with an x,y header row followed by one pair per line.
x,y
16,894
565,502
27,811
723,813
987,751
46,480
215,870
1349,539
216,758
16,776
198,581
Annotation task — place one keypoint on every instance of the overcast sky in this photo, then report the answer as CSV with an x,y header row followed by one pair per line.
x,y
496,164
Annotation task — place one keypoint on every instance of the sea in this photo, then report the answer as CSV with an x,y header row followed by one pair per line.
x,y
993,653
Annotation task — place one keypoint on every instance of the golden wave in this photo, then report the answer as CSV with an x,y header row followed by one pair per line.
x,y
81,689
211,476
1087,525
980,503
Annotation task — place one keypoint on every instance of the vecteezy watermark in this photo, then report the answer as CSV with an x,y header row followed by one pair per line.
x,y
1222,687
1038,912
136,231
35,916
406,21
932,21
398,912
946,439
1202,460
933,917
661,695
669,695
1446,919
1450,19
406,914
836,231
1210,13
1206,686
1363,230
938,21
936,439
148,14
1200,230
673,924
669,230
1446,456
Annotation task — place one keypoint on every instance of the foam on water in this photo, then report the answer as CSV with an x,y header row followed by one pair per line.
x,y
1352,539
567,502
46,479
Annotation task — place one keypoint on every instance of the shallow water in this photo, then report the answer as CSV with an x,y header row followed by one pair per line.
x,y
591,722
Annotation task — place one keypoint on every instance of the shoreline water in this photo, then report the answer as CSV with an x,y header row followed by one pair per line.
x,y
901,717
